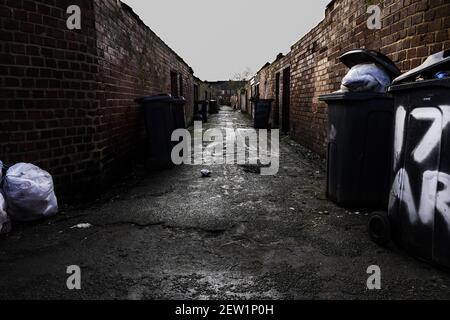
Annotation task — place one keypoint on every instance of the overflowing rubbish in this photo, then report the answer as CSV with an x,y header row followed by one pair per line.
x,y
206,173
366,77
434,67
370,71
82,226
360,126
29,193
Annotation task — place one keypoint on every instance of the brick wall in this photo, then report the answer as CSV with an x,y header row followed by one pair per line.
x,y
411,31
269,87
48,75
67,97
204,90
133,62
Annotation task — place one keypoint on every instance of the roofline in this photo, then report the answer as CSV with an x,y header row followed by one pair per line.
x,y
130,10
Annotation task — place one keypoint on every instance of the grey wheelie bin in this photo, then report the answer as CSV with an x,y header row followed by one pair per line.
x,y
418,217
360,133
162,115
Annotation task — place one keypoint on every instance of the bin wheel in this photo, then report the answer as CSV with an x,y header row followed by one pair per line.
x,y
379,228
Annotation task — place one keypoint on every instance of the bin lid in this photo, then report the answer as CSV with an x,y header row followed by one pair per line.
x,y
179,100
266,100
360,56
434,63
161,98
428,84
340,96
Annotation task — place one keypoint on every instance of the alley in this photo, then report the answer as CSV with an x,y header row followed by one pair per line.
x,y
235,235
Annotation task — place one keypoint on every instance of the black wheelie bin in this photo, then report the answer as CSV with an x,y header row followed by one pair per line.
x,y
360,132
179,115
418,217
263,107
162,115
213,107
201,110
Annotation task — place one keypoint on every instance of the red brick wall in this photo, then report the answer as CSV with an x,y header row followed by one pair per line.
x,y
411,31
269,87
67,97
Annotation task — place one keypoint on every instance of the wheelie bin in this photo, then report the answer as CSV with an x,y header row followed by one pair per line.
x,y
360,133
213,107
201,110
263,108
179,116
418,217
162,115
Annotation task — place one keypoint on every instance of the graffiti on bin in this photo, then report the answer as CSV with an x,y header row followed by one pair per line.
x,y
430,198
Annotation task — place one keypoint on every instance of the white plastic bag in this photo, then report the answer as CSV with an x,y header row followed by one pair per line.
x,y
366,77
29,193
5,223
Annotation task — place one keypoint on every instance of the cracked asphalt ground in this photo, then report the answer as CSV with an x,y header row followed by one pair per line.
x,y
236,235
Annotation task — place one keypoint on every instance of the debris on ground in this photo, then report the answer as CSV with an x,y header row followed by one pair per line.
x,y
206,173
82,226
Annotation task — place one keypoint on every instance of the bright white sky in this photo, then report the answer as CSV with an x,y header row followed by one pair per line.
x,y
219,38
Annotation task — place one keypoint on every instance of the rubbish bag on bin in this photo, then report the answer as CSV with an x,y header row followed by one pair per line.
x,y
442,75
29,193
434,67
366,77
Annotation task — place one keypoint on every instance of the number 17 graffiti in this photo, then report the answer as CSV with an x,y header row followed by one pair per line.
x,y
431,198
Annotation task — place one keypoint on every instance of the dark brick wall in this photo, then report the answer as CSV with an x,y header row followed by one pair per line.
x,y
48,76
133,62
411,31
67,97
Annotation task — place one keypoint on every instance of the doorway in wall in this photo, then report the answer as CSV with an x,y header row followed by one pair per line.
x,y
195,93
276,110
174,83
285,125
